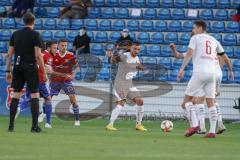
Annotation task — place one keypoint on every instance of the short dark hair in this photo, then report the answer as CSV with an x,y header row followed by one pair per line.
x,y
62,40
135,43
50,43
28,18
201,23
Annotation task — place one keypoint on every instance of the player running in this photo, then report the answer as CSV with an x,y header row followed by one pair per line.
x,y
128,65
63,63
202,49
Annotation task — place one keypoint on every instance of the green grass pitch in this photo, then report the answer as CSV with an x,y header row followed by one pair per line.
x,y
91,141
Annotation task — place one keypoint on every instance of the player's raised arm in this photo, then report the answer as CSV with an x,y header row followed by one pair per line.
x,y
176,54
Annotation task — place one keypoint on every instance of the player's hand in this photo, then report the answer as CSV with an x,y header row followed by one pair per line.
x,y
109,53
9,77
48,69
140,67
45,78
231,75
180,75
172,46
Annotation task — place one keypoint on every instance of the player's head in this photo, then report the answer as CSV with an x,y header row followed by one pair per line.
x,y
62,45
28,19
51,46
82,31
125,33
135,49
199,27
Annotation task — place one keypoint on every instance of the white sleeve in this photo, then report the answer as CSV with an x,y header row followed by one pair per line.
x,y
219,48
192,43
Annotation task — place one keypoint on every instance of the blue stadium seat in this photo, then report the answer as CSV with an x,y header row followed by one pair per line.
x,y
184,38
66,2
156,37
221,14
114,36
143,50
150,60
91,35
164,13
58,3
132,35
229,51
59,35
118,25
146,25
149,13
167,3
19,23
138,3
43,2
47,35
122,13
63,24
236,76
53,12
5,35
99,3
209,3
97,49
231,13
182,49
181,3
49,24
223,3
171,38
177,63
208,26
154,50
78,76
229,39
108,13
38,23
94,12
143,37
166,51
70,47
187,26
174,26
218,26
5,2
40,12
76,23
133,25
235,3
162,75
9,23
105,24
173,75
2,9
233,27
103,75
153,3
236,64
178,13
194,3
160,26
125,3
166,62
206,14
71,35
187,75
101,37
217,36
3,47
112,3
91,24
237,52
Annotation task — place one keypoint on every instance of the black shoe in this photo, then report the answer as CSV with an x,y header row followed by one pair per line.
x,y
10,129
221,131
36,129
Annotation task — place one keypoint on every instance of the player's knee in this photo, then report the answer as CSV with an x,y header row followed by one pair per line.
x,y
139,102
217,94
121,103
48,99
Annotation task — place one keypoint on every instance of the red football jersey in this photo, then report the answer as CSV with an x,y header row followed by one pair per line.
x,y
47,58
63,64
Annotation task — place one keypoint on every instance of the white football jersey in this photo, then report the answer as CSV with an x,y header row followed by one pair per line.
x,y
204,55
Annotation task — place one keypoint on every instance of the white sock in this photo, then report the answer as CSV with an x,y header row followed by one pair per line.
x,y
201,116
192,114
187,112
213,119
139,114
115,112
220,122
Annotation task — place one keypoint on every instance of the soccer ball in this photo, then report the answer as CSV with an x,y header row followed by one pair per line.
x,y
167,126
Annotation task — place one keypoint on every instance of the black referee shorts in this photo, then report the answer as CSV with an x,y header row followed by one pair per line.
x,y
25,73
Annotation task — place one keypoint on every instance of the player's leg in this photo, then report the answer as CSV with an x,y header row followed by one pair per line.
x,y
139,113
199,103
187,106
75,107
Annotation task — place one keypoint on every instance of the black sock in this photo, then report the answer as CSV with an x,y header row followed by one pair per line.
x,y
13,110
35,111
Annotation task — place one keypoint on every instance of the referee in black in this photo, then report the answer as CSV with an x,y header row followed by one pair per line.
x,y
25,45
